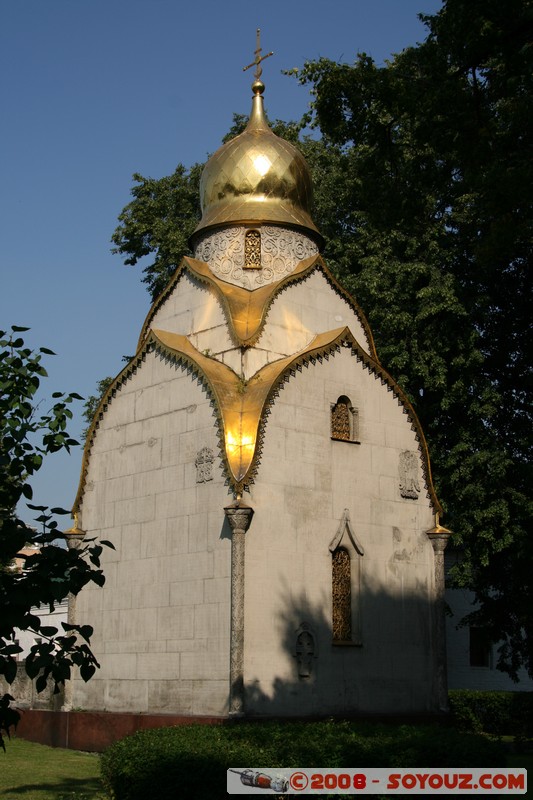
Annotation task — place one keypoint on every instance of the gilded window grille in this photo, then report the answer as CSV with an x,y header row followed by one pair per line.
x,y
341,596
252,250
344,420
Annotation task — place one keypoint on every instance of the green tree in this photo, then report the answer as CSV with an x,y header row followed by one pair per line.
x,y
52,571
158,222
92,403
423,177
439,147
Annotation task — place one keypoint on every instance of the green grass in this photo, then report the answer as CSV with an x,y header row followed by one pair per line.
x,y
31,771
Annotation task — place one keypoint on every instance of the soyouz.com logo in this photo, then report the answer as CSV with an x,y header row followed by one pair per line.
x,y
372,781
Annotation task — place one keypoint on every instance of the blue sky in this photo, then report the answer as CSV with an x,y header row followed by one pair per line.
x,y
95,90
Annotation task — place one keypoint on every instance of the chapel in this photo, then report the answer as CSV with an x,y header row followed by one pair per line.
x,y
265,482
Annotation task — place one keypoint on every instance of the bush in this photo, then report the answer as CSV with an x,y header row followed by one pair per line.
x,y
498,713
191,760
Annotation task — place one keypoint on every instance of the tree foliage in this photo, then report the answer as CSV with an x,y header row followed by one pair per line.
x,y
92,403
438,147
158,222
51,571
423,177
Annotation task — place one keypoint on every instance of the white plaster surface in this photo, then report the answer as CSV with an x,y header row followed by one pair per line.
x,y
460,674
162,621
304,309
309,480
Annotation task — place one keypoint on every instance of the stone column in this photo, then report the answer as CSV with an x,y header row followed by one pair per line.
x,y
439,538
239,517
74,538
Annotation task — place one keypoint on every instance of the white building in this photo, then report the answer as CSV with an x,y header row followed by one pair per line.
x,y
265,482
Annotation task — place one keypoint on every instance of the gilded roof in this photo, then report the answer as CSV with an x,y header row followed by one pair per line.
x,y
257,177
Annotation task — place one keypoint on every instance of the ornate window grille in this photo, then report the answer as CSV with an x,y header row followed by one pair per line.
x,y
344,420
252,250
346,569
341,595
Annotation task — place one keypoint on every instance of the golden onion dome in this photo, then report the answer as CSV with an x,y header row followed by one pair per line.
x,y
257,177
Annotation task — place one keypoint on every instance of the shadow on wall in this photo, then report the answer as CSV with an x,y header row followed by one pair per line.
x,y
23,689
383,662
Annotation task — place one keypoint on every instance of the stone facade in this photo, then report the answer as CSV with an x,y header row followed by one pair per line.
x,y
162,621
265,482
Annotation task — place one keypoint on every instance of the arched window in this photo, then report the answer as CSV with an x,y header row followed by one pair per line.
x,y
346,566
344,420
341,581
252,250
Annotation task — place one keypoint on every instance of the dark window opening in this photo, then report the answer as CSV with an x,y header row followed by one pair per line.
x,y
480,647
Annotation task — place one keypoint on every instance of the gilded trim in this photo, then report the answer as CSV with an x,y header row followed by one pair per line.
x,y
326,345
246,310
243,406
129,370
240,404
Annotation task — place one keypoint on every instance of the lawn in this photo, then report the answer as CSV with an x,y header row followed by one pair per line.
x,y
31,771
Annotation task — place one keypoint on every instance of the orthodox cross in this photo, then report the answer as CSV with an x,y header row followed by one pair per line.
x,y
258,57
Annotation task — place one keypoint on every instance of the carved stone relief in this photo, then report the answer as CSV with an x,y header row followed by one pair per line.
x,y
281,249
204,465
408,473
305,650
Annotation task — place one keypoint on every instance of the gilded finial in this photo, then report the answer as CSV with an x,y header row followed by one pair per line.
x,y
75,530
258,86
439,529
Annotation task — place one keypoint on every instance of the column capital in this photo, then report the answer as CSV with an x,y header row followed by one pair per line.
x,y
439,540
239,517
74,536
438,536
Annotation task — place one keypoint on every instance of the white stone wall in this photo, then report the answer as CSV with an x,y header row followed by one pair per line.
x,y
162,620
296,315
460,674
27,639
305,481
301,311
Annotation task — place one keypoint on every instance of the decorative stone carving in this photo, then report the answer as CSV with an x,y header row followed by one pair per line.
x,y
305,650
204,465
408,473
346,535
281,249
